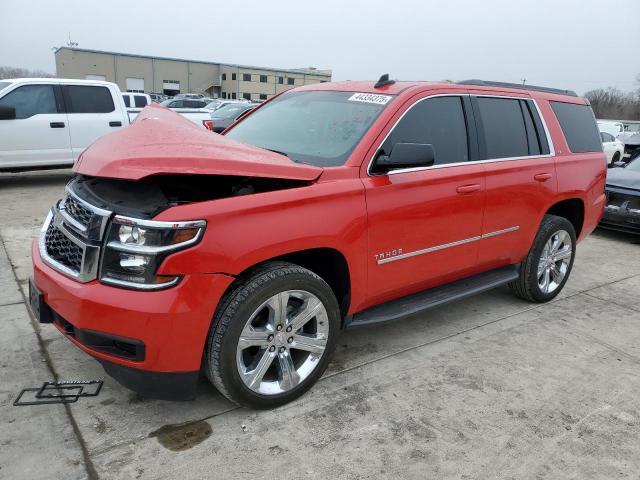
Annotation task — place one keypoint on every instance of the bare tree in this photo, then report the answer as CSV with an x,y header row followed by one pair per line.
x,y
17,72
611,103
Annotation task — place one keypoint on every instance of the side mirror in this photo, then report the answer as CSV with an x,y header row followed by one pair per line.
x,y
7,112
407,155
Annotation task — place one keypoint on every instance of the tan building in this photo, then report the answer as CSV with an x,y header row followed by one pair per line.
x,y
141,73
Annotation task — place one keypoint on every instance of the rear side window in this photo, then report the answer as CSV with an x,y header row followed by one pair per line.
x,y
579,126
505,132
439,122
140,101
127,100
31,100
88,99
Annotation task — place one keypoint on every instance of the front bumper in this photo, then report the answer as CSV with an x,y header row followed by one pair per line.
x,y
622,214
163,331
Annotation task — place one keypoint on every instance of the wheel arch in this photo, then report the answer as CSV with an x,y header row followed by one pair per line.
x,y
571,209
328,263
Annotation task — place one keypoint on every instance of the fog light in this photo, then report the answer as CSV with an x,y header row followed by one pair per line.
x,y
134,263
131,235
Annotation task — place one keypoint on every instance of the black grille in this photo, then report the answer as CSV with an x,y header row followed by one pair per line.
x,y
62,250
77,211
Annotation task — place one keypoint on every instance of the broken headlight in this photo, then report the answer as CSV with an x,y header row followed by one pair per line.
x,y
135,249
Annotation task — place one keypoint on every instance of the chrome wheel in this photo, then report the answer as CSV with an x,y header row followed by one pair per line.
x,y
554,261
282,342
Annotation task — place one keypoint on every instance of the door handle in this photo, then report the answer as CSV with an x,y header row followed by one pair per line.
x,y
115,124
474,187
542,177
56,124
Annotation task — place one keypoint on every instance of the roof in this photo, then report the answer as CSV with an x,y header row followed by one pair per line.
x,y
57,80
299,71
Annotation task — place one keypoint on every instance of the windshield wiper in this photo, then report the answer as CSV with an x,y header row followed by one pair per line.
x,y
276,151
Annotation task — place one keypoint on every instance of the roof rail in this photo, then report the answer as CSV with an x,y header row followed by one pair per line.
x,y
487,83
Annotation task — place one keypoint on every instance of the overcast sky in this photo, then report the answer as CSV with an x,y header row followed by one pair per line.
x,y
575,44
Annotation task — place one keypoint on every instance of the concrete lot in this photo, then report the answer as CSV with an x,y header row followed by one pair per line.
x,y
492,387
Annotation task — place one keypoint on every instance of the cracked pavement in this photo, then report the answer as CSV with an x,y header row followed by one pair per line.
x,y
490,387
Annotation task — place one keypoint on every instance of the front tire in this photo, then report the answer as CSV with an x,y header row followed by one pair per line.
x,y
272,336
546,269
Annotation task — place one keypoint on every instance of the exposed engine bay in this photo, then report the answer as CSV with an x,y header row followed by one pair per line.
x,y
149,196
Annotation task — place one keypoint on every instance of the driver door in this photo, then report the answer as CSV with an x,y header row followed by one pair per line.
x,y
425,223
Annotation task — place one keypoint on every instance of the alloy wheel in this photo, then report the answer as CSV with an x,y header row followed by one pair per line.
x,y
554,262
282,342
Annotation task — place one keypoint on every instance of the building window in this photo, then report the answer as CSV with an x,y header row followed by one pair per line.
x,y
263,96
291,81
263,79
233,95
224,94
246,96
233,76
323,81
224,77
280,80
246,77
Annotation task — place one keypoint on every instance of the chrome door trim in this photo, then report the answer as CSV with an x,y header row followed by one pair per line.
x,y
474,162
447,245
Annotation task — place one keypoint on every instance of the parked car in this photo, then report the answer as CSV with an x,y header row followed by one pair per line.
x,y
193,110
224,116
48,122
613,148
135,102
192,96
158,97
631,139
622,211
334,205
610,126
219,103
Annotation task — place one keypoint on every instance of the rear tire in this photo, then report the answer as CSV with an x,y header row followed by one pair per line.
x,y
272,335
546,269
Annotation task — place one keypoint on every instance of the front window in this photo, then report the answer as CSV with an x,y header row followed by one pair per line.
x,y
231,110
320,128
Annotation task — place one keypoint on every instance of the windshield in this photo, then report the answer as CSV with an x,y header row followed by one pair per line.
x,y
4,85
634,165
229,111
320,128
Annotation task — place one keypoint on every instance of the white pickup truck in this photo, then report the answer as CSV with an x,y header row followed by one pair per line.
x,y
48,122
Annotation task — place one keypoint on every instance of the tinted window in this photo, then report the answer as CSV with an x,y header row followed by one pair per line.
x,y
31,100
233,95
263,96
263,78
533,142
280,80
127,100
246,77
176,104
224,76
233,76
579,127
246,96
88,99
140,101
291,81
439,122
505,134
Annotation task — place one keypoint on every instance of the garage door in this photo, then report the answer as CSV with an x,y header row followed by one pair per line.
x,y
135,85
95,77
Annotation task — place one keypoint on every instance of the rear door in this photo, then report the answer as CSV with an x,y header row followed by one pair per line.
x,y
425,223
92,113
39,135
520,175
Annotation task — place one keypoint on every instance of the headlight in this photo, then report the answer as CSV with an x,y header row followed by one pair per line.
x,y
135,248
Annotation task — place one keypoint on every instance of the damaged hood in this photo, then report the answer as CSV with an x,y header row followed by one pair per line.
x,y
622,177
162,142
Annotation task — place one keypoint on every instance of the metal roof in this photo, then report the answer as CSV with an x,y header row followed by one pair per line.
x,y
322,73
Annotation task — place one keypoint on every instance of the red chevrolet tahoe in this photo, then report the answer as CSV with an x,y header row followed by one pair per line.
x,y
176,251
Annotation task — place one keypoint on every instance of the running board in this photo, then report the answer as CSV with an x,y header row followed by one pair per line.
x,y
418,302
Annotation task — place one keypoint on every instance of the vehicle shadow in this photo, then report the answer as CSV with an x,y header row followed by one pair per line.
x,y
38,178
616,236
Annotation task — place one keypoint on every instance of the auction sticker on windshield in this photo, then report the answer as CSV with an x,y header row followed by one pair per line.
x,y
370,98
